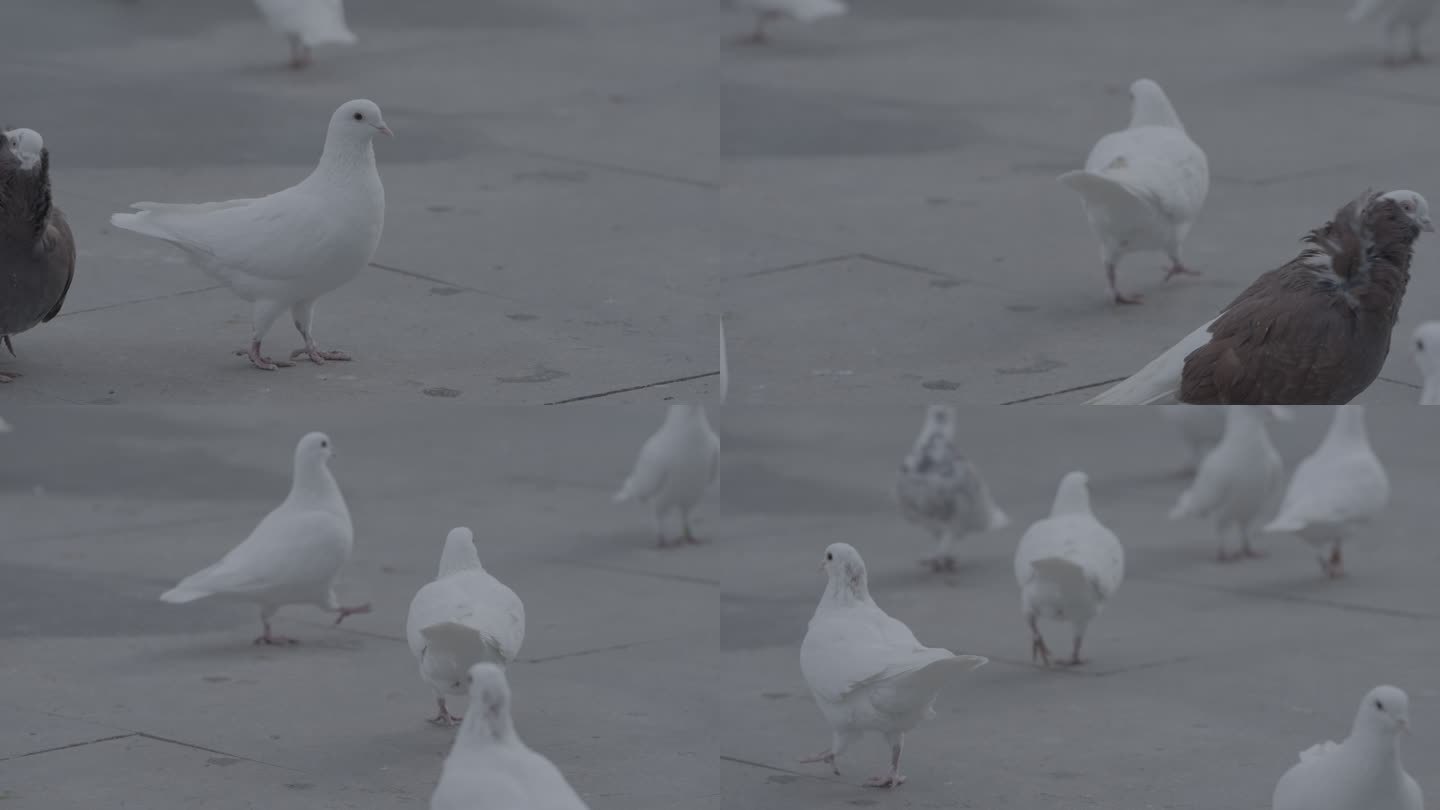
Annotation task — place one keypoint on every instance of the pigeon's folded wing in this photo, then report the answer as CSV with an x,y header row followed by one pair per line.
x,y
848,651
288,549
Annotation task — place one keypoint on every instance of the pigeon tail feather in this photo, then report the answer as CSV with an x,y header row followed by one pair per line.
x,y
1065,574
1120,200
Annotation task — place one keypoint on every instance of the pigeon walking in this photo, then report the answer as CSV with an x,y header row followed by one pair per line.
x,y
1235,481
284,251
306,24
1364,771
1143,186
1427,357
489,766
867,670
1067,566
294,556
1336,489
1314,331
1202,426
37,249
941,490
805,11
462,618
1394,17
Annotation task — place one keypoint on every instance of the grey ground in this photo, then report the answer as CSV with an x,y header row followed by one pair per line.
x,y
574,197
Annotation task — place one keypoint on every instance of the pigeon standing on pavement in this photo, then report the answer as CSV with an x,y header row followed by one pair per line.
x,y
1395,16
1235,481
941,490
867,670
679,462
462,618
1067,566
1362,773
1427,357
284,251
37,250
1143,186
1339,487
294,556
1202,426
489,766
805,11
307,23
1314,331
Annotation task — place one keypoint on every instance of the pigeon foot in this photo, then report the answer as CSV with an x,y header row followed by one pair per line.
x,y
260,361
351,611
1180,270
444,718
9,376
1122,298
1039,652
319,357
887,781
274,640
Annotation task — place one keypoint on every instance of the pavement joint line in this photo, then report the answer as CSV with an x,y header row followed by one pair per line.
x,y
615,167
434,280
770,271
628,389
111,738
615,569
182,743
597,650
1290,597
118,304
768,767
1069,390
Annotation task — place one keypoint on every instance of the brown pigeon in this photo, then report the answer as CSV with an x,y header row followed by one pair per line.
x,y
1315,331
37,250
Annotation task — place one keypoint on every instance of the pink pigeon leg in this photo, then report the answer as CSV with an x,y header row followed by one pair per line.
x,y
1038,650
266,613
260,361
892,779
444,718
1120,298
346,612
299,53
303,312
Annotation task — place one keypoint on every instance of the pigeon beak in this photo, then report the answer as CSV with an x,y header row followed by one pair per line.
x,y
1426,225
386,130
1405,724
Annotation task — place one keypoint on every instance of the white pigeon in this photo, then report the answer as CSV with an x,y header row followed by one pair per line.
x,y
294,556
941,490
1395,16
489,765
1236,480
1143,187
1202,426
866,670
805,11
679,462
307,23
4,426
462,618
1067,566
1339,487
1362,773
284,251
1427,357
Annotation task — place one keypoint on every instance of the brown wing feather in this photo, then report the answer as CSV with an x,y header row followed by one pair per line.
x,y
60,244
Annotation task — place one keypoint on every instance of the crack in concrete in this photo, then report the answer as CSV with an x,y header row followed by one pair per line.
x,y
1069,390
628,389
119,304
776,768
1295,598
217,752
612,648
435,280
70,746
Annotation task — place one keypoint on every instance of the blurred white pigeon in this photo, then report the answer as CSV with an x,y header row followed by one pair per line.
x,y
679,462
1427,357
1067,566
866,670
1335,489
4,426
1236,480
294,556
284,251
940,489
307,23
1395,16
462,618
1202,426
1364,771
1143,186
490,766
805,11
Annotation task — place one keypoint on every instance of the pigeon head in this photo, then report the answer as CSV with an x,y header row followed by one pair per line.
x,y
940,419
27,145
459,553
1073,496
1414,206
314,447
358,120
1385,709
1150,107
846,571
489,715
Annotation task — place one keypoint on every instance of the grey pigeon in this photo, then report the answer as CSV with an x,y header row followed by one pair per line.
x,y
37,249
1314,331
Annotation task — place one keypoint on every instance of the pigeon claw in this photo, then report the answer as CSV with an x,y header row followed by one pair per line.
x,y
887,781
1039,652
1180,270
351,611
445,720
262,362
9,376
1122,298
319,357
275,641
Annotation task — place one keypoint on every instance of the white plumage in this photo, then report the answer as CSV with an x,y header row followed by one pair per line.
x,y
489,766
867,670
1394,17
1427,357
1067,566
1143,187
1236,479
307,23
1202,426
1339,487
284,251
294,556
462,618
941,490
805,11
1362,773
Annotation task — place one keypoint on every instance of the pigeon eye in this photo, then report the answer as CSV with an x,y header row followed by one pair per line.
x,y
1379,705
1419,345
324,444
359,116
829,556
